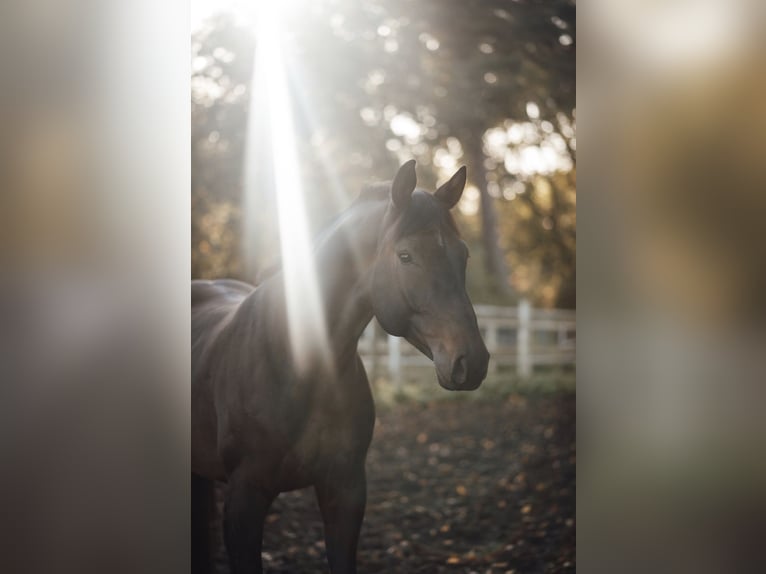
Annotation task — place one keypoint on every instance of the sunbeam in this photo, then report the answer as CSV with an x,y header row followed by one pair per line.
x,y
271,122
339,193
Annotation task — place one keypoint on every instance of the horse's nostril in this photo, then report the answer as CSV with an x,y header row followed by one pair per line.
x,y
460,370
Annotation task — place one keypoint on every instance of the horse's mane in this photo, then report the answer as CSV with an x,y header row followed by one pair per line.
x,y
374,192
420,215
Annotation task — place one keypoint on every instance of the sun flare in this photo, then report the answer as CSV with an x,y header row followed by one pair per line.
x,y
271,122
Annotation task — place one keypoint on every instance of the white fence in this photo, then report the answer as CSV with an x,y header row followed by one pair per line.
x,y
517,337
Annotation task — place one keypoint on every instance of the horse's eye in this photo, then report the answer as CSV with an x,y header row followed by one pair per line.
x,y
405,257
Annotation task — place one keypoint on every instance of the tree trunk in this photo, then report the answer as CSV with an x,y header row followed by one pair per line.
x,y
494,261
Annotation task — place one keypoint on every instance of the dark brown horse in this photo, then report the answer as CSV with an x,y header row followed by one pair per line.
x,y
265,425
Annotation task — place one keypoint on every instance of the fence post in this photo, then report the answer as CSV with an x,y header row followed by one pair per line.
x,y
490,341
374,336
395,359
523,354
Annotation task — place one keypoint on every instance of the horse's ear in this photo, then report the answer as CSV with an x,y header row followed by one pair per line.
x,y
403,185
449,193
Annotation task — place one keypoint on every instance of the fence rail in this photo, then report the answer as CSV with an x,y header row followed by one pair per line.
x,y
518,337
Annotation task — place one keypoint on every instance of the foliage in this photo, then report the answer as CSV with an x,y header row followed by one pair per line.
x,y
540,235
380,81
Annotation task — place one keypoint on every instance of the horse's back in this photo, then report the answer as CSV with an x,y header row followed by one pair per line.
x,y
213,304
204,290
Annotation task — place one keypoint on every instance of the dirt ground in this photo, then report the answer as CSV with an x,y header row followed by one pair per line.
x,y
453,486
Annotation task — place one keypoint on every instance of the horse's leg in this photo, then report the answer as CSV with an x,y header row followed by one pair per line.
x,y
341,501
245,510
202,507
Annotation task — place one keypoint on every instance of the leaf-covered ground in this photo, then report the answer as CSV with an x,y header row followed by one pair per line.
x,y
455,486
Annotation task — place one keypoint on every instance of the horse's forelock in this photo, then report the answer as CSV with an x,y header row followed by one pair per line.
x,y
424,212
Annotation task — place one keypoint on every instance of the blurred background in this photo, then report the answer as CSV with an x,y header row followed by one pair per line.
x,y
671,331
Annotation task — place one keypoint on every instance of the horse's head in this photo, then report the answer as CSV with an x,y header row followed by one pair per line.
x,y
418,286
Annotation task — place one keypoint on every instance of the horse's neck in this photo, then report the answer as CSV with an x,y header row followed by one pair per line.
x,y
345,259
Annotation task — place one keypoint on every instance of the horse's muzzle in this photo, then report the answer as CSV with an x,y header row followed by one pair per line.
x,y
463,373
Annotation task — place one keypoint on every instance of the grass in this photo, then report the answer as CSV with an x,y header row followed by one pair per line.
x,y
420,386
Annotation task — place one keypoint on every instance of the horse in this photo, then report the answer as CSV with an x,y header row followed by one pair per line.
x,y
266,425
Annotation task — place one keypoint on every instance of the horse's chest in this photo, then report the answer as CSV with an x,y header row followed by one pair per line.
x,y
337,431
334,434
296,433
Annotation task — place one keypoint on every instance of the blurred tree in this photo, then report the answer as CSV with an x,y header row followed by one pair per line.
x,y
380,81
484,61
221,68
541,224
